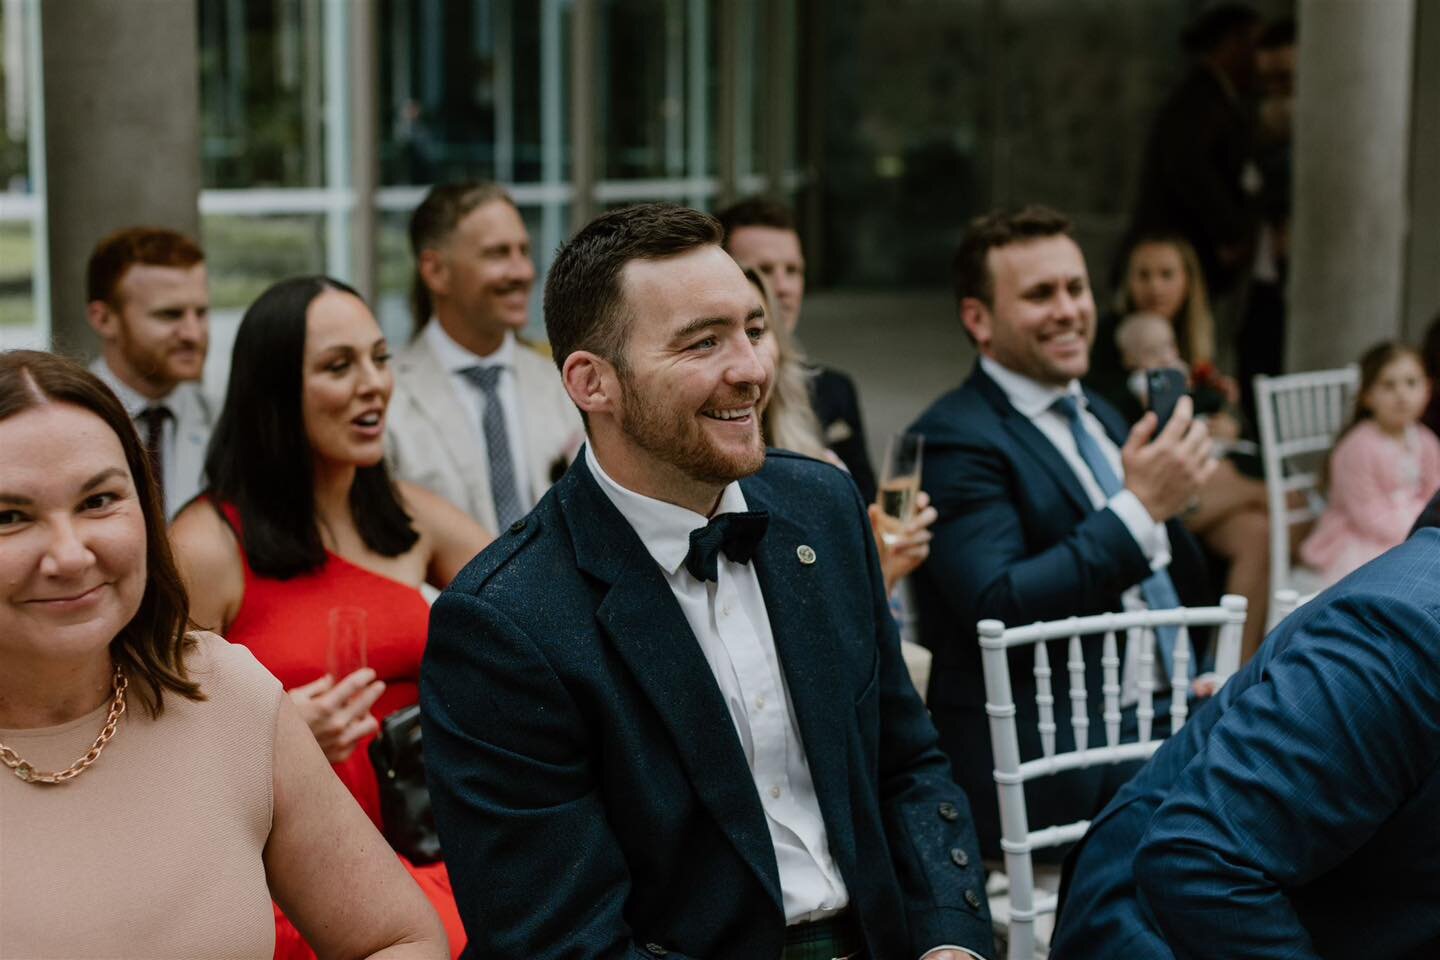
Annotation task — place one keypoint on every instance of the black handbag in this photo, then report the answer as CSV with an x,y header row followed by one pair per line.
x,y
404,798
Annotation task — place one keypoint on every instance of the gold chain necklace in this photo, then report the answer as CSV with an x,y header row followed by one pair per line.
x,y
29,774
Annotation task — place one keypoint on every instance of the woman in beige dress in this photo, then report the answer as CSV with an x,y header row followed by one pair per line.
x,y
158,788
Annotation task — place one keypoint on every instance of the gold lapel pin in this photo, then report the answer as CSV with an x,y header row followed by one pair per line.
x,y
806,555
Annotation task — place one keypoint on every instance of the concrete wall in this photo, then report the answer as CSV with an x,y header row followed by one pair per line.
x,y
1352,157
122,135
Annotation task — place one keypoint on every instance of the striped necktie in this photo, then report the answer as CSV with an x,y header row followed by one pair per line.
x,y
1158,589
503,488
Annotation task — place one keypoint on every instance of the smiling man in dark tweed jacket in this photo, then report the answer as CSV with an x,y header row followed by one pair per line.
x,y
666,713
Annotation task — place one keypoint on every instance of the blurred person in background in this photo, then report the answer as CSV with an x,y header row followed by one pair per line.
x,y
760,234
479,416
301,518
1200,176
1230,515
1383,468
1260,344
149,300
203,795
788,422
1430,355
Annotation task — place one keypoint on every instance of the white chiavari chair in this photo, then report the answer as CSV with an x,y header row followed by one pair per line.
x,y
1019,841
1300,415
1288,601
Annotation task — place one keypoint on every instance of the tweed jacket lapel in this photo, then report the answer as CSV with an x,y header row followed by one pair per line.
x,y
796,602
645,625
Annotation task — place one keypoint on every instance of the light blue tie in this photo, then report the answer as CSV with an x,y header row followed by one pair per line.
x,y
503,489
1157,589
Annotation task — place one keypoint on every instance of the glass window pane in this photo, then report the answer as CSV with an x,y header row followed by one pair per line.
x,y
261,93
642,66
17,270
463,88
246,254
15,54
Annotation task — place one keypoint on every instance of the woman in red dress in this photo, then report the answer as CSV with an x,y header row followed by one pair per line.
x,y
302,520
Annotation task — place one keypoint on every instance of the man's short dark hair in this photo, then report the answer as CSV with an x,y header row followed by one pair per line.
x,y
1215,25
123,249
755,212
584,302
969,269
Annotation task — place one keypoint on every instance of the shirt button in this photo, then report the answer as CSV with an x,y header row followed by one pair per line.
x,y
759,703
775,792
724,611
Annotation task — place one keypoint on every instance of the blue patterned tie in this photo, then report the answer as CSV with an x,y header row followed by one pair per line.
x,y
1157,589
503,489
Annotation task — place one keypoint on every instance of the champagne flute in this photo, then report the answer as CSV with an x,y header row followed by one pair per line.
x,y
346,651
900,480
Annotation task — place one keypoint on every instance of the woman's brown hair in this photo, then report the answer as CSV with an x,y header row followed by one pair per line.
x,y
151,647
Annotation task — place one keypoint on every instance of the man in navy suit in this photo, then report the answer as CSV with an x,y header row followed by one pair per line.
x,y
1295,815
666,714
1047,508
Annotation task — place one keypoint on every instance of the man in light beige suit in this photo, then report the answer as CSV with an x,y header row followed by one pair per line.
x,y
478,416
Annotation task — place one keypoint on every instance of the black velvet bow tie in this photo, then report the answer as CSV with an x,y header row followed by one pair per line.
x,y
738,534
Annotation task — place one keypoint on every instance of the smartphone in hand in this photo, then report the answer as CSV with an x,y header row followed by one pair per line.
x,y
1163,389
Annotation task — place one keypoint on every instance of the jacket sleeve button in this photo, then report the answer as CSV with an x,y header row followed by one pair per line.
x,y
959,857
948,812
972,898
655,949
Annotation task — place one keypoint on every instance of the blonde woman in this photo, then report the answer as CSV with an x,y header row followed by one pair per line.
x,y
789,423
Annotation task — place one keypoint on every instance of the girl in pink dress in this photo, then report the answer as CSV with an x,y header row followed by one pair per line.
x,y
1383,470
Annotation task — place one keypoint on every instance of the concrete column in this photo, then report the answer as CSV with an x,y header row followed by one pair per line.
x,y
1351,210
122,130
1422,294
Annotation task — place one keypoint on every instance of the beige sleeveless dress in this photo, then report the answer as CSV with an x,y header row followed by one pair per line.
x,y
155,851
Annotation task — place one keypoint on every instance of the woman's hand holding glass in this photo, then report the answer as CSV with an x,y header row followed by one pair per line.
x,y
338,714
903,544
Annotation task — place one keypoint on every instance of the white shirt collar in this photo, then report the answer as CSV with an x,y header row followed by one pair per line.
x,y
454,358
664,528
131,399
1030,397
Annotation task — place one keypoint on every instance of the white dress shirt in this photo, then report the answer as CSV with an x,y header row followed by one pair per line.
x,y
188,426
1036,402
454,358
730,622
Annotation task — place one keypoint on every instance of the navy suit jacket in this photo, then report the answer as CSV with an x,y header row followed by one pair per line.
x,y
1019,540
1296,814
592,795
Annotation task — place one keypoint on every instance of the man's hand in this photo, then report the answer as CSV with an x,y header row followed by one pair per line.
x,y
1166,474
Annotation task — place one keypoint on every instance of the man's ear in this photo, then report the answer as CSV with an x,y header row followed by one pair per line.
x,y
591,382
978,321
103,319
434,269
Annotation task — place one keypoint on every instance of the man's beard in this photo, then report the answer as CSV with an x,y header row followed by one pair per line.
x,y
672,436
